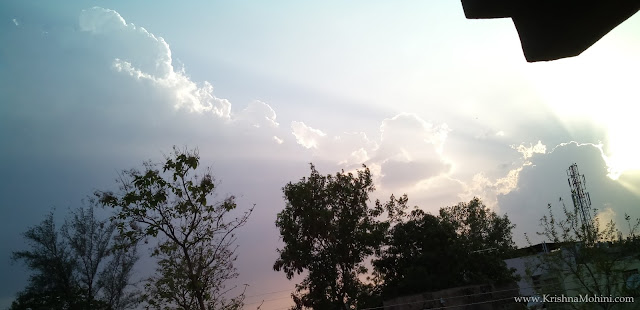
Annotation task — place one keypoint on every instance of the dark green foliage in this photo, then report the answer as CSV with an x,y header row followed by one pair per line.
x,y
420,256
47,300
329,230
195,238
486,237
464,245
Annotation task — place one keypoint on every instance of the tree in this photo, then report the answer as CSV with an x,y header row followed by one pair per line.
x,y
90,242
463,245
421,254
329,229
486,237
53,285
592,260
101,256
114,279
195,239
72,264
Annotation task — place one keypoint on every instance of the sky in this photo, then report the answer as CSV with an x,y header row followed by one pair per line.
x,y
439,107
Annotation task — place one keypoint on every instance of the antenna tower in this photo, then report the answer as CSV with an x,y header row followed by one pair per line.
x,y
581,199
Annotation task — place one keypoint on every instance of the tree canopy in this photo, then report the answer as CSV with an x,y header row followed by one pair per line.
x,y
82,265
174,204
329,228
465,244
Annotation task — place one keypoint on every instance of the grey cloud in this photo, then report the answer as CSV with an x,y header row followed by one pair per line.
x,y
545,181
401,174
410,150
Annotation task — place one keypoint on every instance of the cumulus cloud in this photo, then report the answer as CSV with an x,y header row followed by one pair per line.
x,y
358,156
411,133
605,216
410,157
345,149
100,20
307,136
352,148
259,115
545,180
154,63
434,193
509,182
15,22
613,171
491,189
528,151
411,150
480,186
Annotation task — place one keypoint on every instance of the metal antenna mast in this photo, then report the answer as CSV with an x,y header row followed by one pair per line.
x,y
581,200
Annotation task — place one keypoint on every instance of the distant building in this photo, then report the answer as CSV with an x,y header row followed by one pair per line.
x,y
536,280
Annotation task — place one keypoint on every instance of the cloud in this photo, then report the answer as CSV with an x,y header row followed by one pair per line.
x,y
411,150
100,20
259,115
489,134
435,193
148,58
358,156
151,61
480,186
605,216
15,22
351,148
545,179
528,152
613,171
489,190
411,133
306,136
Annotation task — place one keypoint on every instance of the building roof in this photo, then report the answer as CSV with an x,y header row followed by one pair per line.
x,y
554,29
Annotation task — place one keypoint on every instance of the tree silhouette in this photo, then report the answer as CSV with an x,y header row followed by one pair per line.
x,y
329,229
195,237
